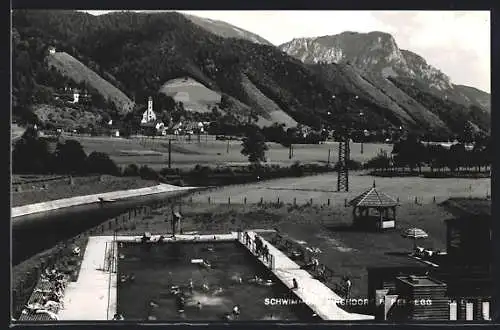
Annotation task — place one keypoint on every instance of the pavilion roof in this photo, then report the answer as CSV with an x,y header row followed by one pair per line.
x,y
373,198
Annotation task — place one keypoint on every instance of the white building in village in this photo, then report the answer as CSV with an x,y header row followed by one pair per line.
x,y
149,115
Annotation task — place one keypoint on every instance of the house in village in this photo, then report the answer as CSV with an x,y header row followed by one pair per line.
x,y
71,95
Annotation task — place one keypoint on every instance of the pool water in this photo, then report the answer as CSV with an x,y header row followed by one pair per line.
x,y
156,268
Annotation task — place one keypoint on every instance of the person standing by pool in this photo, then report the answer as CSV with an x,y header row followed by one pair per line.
x,y
236,311
191,286
315,263
295,284
180,303
348,285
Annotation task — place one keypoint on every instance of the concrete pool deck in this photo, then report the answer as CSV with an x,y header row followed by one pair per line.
x,y
94,295
321,299
89,199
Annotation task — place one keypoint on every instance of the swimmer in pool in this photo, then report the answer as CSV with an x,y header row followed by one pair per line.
x,y
237,279
217,291
205,264
198,304
205,287
256,280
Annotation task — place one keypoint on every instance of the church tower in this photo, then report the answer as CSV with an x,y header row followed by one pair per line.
x,y
150,104
149,115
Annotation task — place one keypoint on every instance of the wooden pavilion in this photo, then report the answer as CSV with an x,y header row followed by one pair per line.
x,y
374,210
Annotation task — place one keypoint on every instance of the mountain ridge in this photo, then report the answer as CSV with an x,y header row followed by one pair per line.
x,y
346,47
378,59
141,51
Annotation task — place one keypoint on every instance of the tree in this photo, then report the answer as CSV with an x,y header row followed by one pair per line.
x,y
409,152
254,145
380,161
131,170
99,162
70,157
31,154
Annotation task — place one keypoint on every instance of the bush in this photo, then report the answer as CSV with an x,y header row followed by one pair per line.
x,y
148,173
131,170
99,162
297,169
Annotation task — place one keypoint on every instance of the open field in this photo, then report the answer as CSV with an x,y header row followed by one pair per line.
x,y
154,152
323,187
81,186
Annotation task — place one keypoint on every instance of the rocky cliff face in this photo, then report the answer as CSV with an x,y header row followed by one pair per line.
x,y
377,57
374,52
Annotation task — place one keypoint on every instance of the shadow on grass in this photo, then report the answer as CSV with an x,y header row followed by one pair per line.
x,y
347,227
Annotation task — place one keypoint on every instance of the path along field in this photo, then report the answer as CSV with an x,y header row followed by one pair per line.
x,y
154,152
323,187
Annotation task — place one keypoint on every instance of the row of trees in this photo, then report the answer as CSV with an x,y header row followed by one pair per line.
x,y
292,135
413,154
32,154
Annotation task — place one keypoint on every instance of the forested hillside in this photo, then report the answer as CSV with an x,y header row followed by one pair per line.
x,y
138,52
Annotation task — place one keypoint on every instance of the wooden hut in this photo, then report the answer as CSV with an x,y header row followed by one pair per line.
x,y
421,298
374,210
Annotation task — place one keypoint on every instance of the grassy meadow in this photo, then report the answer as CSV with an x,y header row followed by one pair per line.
x,y
323,187
211,152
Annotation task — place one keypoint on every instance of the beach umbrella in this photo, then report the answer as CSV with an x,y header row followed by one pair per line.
x,y
415,233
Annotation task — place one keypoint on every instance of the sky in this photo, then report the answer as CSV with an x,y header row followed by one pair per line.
x,y
455,42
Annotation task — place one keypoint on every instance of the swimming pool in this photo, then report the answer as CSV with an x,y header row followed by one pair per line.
x,y
156,268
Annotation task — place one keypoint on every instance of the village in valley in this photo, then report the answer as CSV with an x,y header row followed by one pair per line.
x,y
198,172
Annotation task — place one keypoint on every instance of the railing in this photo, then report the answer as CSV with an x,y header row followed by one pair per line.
x,y
112,268
268,260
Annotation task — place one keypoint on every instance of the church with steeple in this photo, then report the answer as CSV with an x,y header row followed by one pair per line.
x,y
149,123
149,115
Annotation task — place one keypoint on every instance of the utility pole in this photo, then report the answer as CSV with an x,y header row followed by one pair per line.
x,y
344,153
343,170
169,153
328,157
290,151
